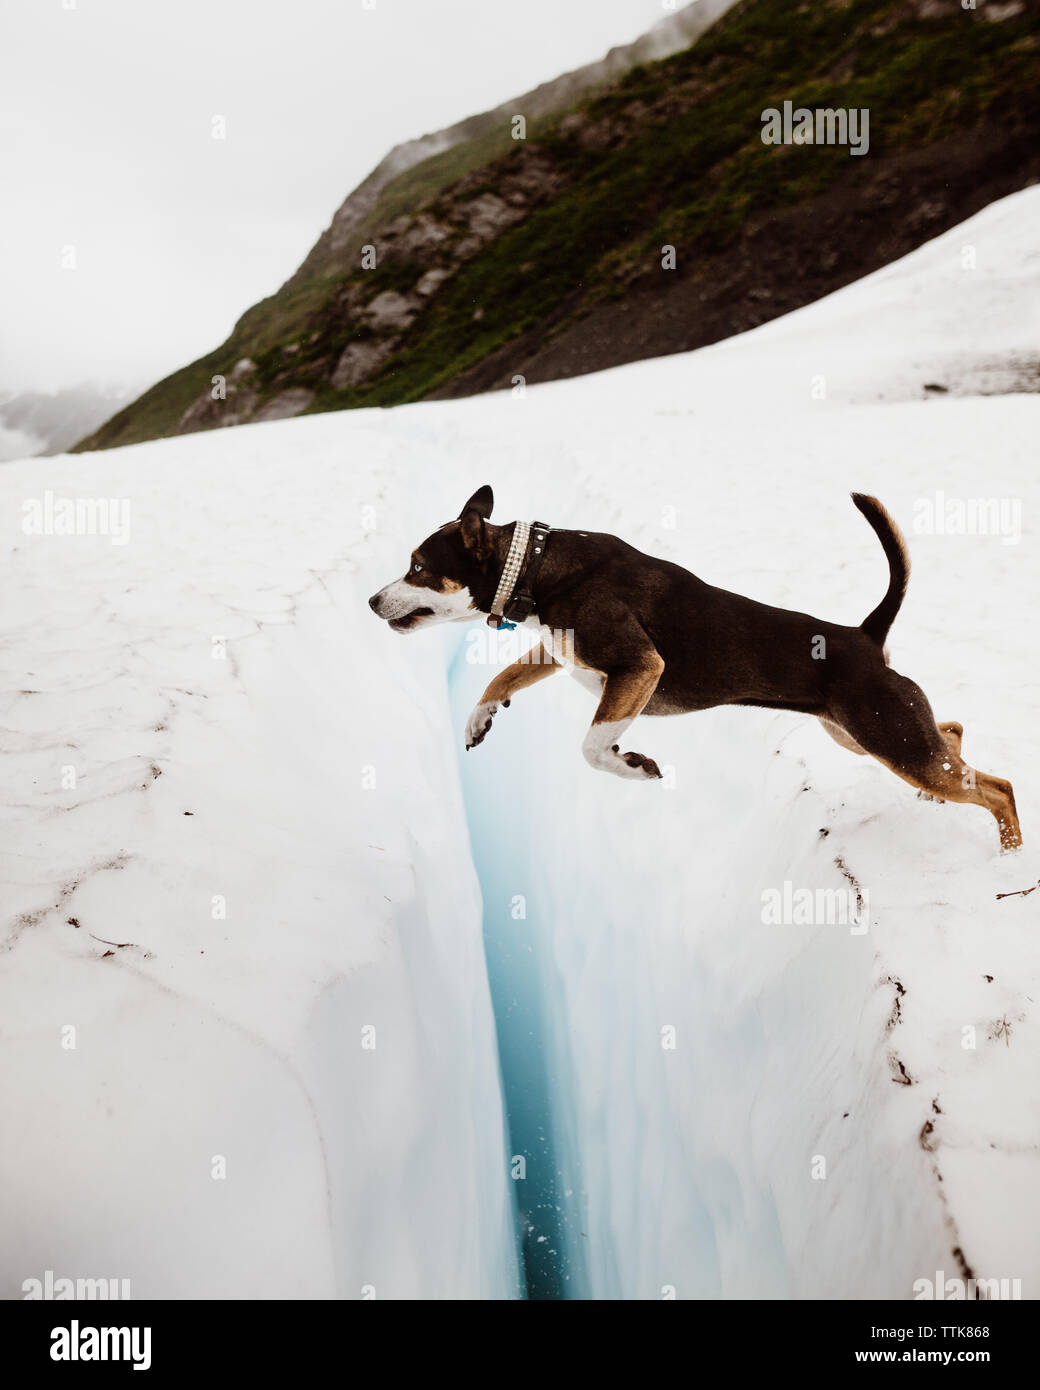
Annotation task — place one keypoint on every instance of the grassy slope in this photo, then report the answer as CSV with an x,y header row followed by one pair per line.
x,y
682,163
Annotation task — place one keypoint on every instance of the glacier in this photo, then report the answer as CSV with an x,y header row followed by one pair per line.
x,y
289,984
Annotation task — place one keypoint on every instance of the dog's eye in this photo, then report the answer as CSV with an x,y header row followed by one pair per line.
x,y
417,568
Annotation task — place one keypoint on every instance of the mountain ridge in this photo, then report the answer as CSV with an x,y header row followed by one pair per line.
x,y
546,261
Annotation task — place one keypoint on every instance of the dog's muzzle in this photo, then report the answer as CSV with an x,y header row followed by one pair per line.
x,y
410,619
403,622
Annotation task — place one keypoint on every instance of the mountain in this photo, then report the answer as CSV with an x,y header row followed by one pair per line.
x,y
495,258
41,422
477,140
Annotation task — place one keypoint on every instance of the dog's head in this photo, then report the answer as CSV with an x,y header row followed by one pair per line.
x,y
447,575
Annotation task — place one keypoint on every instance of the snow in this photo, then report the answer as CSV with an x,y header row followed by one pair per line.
x,y
348,905
692,1170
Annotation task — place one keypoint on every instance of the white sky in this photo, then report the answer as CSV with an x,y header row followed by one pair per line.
x,y
105,146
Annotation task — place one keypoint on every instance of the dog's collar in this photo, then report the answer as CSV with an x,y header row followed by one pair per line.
x,y
514,600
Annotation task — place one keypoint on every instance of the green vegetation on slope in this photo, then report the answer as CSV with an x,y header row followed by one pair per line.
x,y
671,155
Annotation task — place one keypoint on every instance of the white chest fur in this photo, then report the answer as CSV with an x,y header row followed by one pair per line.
x,y
561,645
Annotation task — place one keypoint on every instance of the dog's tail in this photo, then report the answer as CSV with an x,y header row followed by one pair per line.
x,y
877,624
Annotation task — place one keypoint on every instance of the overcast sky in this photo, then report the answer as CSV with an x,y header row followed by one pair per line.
x,y
106,112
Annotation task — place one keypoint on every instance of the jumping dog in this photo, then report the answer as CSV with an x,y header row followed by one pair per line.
x,y
650,638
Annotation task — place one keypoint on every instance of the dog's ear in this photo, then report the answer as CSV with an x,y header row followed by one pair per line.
x,y
473,515
481,502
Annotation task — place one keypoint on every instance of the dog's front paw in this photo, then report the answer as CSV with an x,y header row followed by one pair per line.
x,y
479,722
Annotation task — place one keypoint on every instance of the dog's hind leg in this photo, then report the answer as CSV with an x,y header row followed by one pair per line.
x,y
952,732
533,666
891,718
839,735
626,693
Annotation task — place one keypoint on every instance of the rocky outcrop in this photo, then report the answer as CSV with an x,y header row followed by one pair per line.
x,y
294,401
361,360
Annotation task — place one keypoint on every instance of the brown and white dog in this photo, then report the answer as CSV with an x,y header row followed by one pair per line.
x,y
650,638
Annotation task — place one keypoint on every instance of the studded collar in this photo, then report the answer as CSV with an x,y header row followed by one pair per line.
x,y
514,601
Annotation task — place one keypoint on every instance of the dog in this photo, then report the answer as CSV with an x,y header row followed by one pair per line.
x,y
648,637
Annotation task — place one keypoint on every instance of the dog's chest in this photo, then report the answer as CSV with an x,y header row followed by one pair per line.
x,y
560,644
